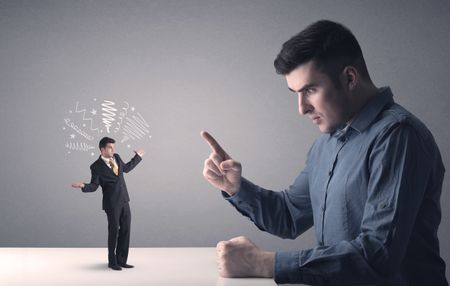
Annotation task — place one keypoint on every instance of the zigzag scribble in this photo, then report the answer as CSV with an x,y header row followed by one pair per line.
x,y
79,146
84,117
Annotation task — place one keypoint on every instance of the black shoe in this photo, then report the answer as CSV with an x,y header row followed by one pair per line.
x,y
124,265
114,267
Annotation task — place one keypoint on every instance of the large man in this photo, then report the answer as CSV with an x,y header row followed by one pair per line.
x,y
371,185
107,172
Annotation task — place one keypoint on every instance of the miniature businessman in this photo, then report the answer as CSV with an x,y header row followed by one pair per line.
x,y
371,185
107,172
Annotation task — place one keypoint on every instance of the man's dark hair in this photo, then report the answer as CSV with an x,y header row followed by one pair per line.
x,y
330,46
105,141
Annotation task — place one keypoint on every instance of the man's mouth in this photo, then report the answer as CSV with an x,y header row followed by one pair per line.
x,y
315,119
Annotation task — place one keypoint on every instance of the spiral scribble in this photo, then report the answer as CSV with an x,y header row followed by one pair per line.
x,y
108,113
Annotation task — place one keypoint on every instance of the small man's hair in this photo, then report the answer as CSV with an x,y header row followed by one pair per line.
x,y
105,141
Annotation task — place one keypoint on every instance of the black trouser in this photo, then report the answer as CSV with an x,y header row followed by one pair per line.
x,y
119,223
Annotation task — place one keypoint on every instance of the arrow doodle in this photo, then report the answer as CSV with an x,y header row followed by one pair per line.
x,y
78,130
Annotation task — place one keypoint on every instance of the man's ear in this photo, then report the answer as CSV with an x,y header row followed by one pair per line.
x,y
350,77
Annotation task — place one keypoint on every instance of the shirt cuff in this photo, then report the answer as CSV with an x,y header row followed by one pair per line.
x,y
287,267
245,193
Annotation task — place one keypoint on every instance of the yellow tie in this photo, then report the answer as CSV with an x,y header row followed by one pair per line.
x,y
114,167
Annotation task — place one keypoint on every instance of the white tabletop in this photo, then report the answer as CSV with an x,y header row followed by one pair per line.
x,y
88,266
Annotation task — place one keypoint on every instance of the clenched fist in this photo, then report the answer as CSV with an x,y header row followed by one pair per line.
x,y
239,257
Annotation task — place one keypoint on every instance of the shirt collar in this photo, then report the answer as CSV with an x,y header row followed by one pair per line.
x,y
106,160
369,112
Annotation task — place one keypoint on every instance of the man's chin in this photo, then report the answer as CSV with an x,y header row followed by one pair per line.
x,y
326,129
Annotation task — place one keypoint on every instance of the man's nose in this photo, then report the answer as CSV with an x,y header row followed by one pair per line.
x,y
303,105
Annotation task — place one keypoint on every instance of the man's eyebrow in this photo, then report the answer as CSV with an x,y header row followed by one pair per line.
x,y
308,85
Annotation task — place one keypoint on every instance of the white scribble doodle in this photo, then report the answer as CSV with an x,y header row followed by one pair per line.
x,y
108,113
101,117
78,130
135,128
79,146
122,115
84,117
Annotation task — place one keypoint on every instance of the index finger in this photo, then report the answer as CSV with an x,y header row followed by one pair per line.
x,y
213,144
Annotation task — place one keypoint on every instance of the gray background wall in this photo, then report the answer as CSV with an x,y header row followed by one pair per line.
x,y
186,66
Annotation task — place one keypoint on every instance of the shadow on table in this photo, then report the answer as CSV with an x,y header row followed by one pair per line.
x,y
95,267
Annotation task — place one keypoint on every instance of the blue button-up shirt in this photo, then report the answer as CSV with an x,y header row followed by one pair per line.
x,y
372,192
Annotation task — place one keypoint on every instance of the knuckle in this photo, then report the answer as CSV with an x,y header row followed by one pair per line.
x,y
220,245
216,157
210,164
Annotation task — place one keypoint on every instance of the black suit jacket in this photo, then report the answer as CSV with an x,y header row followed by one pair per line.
x,y
113,187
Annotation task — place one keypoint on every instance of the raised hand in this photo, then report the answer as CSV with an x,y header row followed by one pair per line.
x,y
219,169
78,185
140,152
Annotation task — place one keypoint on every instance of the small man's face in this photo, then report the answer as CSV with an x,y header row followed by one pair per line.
x,y
108,151
318,97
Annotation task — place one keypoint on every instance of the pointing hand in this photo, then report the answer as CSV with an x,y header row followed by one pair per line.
x,y
219,169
